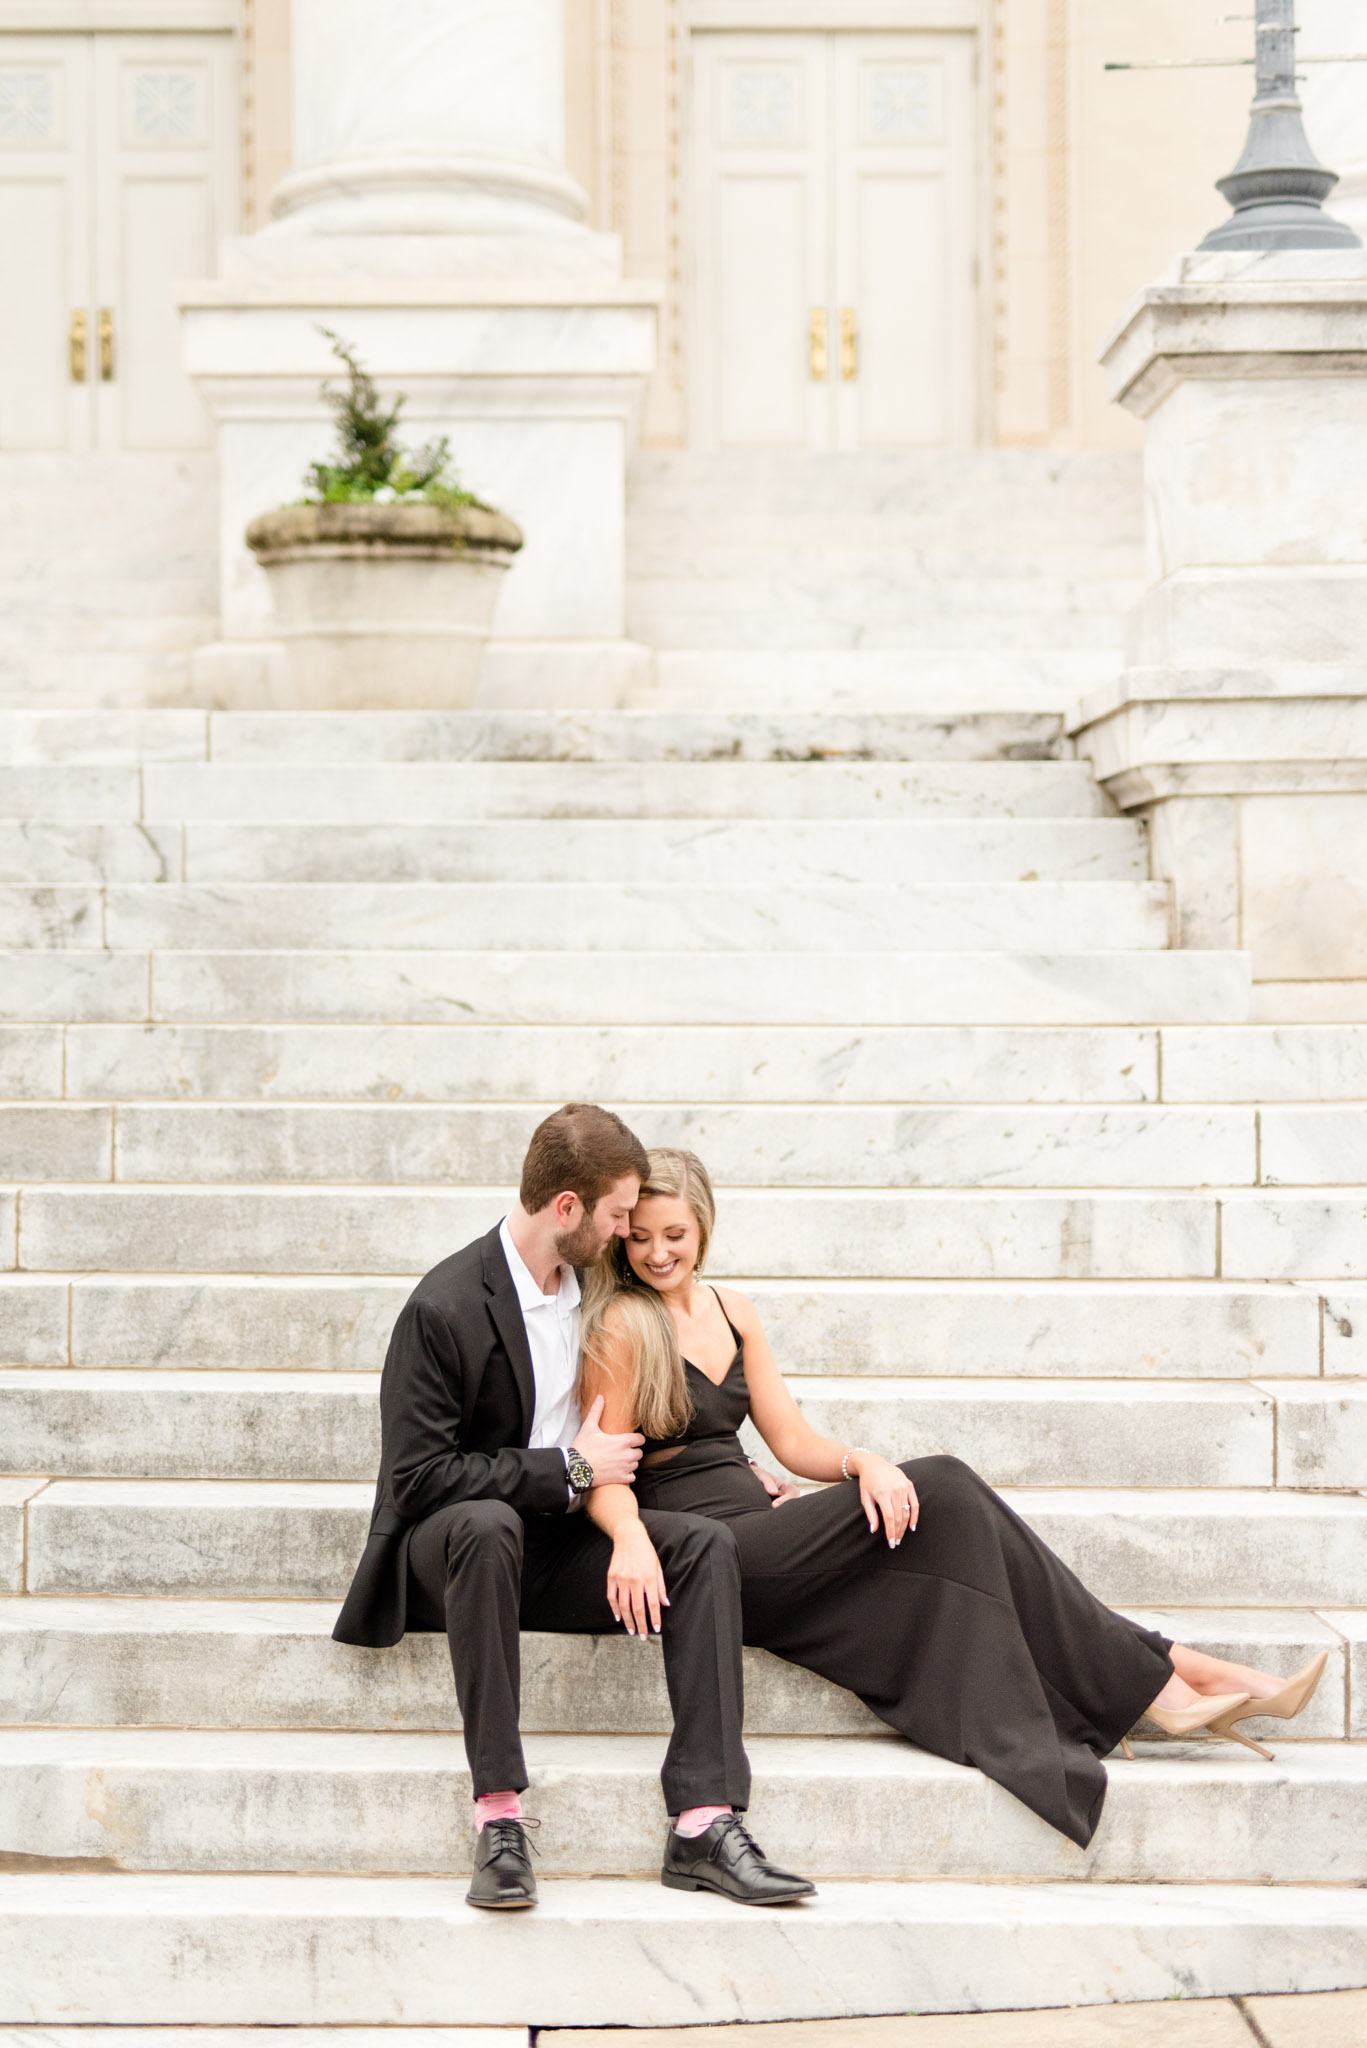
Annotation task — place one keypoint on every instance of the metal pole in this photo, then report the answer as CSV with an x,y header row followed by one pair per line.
x,y
1278,187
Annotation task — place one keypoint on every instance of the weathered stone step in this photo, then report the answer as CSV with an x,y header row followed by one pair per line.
x,y
1268,1064
1203,1330
869,611
90,795
831,683
288,1540
67,987
780,1232
283,1425
1309,1063
1012,917
836,1807
789,1145
34,739
285,1951
356,792
851,989
679,1063
774,853
90,853
273,1664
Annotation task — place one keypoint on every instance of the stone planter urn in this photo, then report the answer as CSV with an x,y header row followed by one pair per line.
x,y
383,607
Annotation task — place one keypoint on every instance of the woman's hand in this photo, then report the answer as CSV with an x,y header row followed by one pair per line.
x,y
778,1490
636,1585
885,1490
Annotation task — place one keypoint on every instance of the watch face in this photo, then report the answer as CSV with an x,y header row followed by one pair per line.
x,y
581,1473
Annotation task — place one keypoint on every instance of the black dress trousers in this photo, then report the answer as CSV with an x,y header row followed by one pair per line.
x,y
481,1571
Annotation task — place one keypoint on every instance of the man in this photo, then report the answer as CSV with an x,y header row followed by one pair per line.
x,y
478,1526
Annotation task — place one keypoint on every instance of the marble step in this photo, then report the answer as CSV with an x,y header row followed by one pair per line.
x,y
154,1423
986,682
90,853
273,1664
837,610
775,853
1204,1330
833,1807
1263,1064
270,790
864,990
53,738
177,1950
79,794
1012,917
1082,491
1311,1063
668,1063
791,1145
878,551
778,1232
292,1540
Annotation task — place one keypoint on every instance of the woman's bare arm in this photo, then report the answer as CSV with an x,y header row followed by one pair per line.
x,y
884,1488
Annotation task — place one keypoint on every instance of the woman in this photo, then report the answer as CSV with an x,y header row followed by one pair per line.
x,y
913,1585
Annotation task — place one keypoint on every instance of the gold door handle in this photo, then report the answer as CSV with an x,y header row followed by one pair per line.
x,y
106,344
76,348
818,364
849,344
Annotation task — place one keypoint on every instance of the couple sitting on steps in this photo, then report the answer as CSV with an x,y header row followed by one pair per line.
x,y
552,1460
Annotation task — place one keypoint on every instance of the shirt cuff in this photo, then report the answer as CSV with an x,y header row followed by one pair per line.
x,y
576,1499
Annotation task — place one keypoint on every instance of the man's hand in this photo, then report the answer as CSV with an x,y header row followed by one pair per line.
x,y
778,1490
614,1458
636,1585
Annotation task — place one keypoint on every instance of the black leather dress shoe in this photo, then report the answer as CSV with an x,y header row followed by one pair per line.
x,y
727,1859
503,1879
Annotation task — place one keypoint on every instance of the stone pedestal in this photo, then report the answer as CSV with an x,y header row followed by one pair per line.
x,y
429,220
1240,726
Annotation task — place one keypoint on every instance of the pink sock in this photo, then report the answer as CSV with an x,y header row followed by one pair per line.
x,y
696,1820
496,1806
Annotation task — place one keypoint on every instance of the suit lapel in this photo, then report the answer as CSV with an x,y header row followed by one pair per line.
x,y
506,1310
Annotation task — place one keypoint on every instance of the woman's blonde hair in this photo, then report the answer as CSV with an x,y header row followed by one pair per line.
x,y
659,1401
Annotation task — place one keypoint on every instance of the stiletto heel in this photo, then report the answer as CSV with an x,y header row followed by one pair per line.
x,y
1125,1745
1205,1713
1283,1706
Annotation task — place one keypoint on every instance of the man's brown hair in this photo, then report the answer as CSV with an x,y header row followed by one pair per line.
x,y
580,1149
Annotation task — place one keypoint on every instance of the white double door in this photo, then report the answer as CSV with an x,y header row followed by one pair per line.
x,y
835,219
117,178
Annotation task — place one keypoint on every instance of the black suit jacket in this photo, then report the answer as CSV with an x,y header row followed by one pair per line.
x,y
457,1399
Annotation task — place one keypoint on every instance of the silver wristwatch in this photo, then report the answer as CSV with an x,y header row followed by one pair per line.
x,y
578,1470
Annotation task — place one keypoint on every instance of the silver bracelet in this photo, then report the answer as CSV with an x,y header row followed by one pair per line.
x,y
845,1461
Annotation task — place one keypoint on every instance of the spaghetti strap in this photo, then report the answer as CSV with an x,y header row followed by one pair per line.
x,y
740,1341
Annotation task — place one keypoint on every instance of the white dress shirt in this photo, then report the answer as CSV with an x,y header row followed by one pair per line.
x,y
552,1323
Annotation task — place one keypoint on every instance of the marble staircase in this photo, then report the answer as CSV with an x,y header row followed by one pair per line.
x,y
985,579
1007,1175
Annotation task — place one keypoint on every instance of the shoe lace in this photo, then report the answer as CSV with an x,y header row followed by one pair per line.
x,y
511,1834
734,1830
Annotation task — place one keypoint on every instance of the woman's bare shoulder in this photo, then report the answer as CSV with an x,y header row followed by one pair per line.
x,y
740,1308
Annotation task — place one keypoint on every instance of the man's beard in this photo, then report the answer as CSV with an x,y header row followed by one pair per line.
x,y
582,1246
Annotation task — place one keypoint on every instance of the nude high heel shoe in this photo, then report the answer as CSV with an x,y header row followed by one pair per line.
x,y
1183,1721
1283,1706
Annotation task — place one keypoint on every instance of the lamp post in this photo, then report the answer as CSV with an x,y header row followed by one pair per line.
x,y
1278,186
